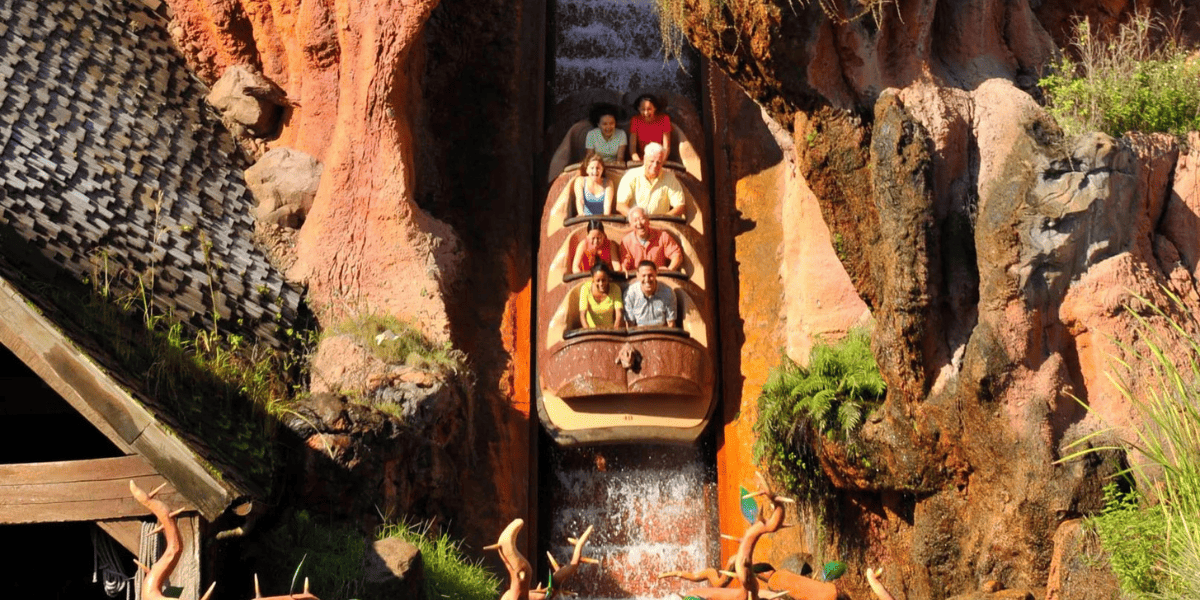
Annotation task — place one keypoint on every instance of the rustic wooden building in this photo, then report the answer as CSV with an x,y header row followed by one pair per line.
x,y
130,443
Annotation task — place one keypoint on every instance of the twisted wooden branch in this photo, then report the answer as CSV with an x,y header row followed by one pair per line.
x,y
563,573
743,561
157,575
520,573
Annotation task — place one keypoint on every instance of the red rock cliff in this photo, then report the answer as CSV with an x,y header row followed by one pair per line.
x,y
995,256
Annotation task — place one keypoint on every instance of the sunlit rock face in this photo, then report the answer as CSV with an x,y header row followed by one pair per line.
x,y
997,259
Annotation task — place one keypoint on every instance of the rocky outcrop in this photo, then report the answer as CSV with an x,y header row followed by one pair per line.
x,y
357,121
999,261
285,183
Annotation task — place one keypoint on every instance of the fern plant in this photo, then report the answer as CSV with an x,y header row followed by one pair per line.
x,y
831,397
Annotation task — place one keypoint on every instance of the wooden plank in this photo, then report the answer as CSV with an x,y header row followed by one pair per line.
x,y
105,404
98,469
61,512
81,491
127,532
84,490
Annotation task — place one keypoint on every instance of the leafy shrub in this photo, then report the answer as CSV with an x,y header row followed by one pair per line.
x,y
1130,536
1127,81
830,398
448,573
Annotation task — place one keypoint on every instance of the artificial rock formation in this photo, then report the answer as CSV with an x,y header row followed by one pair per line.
x,y
998,260
346,76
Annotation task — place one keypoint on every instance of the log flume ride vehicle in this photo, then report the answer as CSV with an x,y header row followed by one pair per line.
x,y
637,385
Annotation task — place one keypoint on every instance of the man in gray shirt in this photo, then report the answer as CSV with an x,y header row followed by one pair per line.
x,y
647,302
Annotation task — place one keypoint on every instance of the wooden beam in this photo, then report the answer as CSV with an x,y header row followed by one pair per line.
x,y
79,490
127,532
104,403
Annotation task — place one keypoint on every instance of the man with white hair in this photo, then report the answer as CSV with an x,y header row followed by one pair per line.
x,y
651,187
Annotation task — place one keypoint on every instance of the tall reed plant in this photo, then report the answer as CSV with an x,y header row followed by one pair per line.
x,y
1165,452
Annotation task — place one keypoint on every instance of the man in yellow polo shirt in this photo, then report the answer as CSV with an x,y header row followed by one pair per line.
x,y
651,187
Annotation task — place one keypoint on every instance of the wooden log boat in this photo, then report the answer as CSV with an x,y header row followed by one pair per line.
x,y
585,395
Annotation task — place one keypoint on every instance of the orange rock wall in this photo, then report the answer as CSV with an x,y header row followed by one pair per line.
x,y
424,209
782,288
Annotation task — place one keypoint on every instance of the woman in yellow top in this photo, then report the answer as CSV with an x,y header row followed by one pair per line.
x,y
600,304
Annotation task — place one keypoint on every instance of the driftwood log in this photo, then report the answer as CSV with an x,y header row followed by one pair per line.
x,y
158,574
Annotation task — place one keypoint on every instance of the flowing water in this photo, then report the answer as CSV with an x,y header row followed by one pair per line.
x,y
653,509
616,45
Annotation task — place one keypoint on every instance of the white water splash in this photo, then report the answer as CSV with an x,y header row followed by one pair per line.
x,y
616,45
651,513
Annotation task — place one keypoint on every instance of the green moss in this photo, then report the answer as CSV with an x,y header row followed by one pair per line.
x,y
406,345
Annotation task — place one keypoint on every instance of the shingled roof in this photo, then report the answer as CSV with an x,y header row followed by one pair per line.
x,y
114,168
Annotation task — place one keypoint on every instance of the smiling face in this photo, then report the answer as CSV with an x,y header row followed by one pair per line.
x,y
639,222
600,282
608,124
647,110
654,163
594,240
595,169
648,279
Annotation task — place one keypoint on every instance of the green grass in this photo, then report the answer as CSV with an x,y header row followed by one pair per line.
x,y
448,572
409,347
1139,78
1130,534
217,388
1153,538
830,397
301,546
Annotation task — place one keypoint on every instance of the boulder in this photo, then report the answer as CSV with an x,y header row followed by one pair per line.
x,y
284,182
1076,571
248,99
394,571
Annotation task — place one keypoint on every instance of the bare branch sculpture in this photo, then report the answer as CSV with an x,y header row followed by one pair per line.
x,y
743,561
520,573
158,574
876,585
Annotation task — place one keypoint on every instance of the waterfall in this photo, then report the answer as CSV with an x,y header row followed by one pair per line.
x,y
614,44
653,509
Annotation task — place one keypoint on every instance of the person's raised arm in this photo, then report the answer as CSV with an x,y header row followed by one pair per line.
x,y
577,261
614,290
672,250
577,186
672,314
614,254
610,193
666,138
584,290
624,199
675,197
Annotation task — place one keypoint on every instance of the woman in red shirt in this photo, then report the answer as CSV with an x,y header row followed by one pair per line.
x,y
649,125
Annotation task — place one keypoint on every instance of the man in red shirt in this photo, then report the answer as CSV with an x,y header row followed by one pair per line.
x,y
648,243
